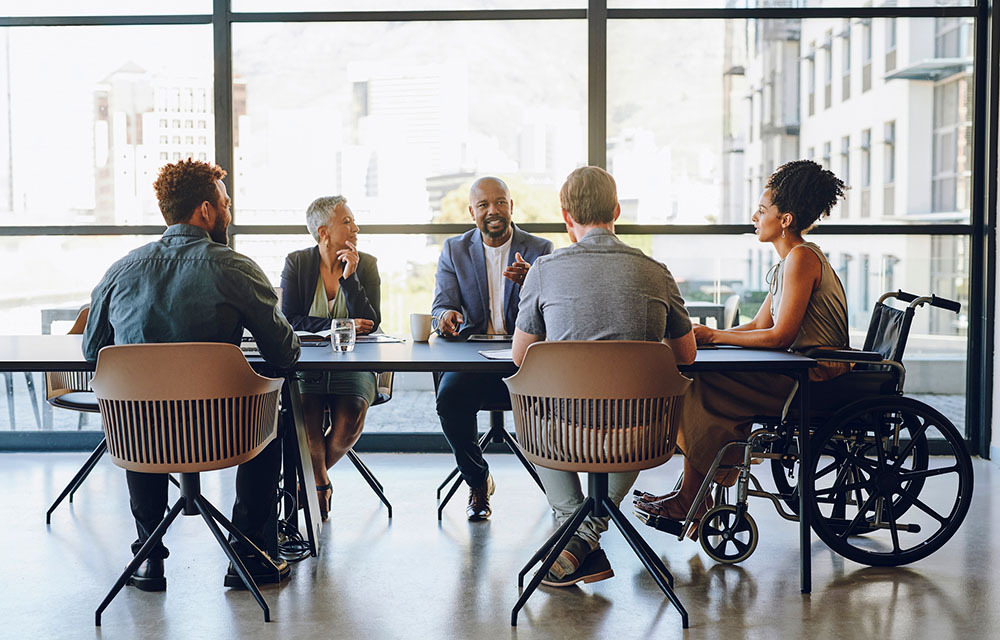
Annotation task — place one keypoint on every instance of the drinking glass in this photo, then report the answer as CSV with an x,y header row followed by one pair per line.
x,y
342,334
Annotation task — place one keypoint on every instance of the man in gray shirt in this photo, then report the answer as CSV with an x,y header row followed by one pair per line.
x,y
597,289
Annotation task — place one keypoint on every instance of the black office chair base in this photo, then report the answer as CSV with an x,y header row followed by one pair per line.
x,y
599,504
498,434
370,478
81,475
192,502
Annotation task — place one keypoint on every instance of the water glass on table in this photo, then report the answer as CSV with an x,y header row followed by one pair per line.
x,y
342,334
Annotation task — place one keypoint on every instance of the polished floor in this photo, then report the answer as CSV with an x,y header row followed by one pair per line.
x,y
418,578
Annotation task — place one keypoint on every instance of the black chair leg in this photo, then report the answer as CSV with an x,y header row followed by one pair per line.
x,y
565,531
649,559
370,478
454,472
29,379
451,492
140,557
78,479
530,468
360,465
210,515
9,378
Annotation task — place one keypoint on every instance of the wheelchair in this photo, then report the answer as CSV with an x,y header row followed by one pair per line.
x,y
892,476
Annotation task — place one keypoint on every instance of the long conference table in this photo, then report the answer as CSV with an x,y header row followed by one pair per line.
x,y
64,353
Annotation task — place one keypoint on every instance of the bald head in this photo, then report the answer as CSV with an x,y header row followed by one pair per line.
x,y
491,208
487,181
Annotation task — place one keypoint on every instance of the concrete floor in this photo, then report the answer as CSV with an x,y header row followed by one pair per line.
x,y
417,578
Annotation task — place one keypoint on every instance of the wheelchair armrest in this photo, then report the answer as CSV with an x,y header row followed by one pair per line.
x,y
844,355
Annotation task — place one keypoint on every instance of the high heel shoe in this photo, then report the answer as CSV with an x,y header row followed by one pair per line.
x,y
324,493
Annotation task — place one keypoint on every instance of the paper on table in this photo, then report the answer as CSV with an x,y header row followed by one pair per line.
x,y
378,337
497,354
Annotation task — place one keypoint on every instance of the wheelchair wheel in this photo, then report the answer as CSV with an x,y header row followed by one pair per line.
x,y
726,536
835,453
870,462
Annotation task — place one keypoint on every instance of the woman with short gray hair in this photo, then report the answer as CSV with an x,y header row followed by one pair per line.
x,y
332,280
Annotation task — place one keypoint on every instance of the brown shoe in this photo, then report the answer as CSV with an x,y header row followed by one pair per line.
x,y
479,500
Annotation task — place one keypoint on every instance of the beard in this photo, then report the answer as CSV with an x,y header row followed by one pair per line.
x,y
220,232
501,232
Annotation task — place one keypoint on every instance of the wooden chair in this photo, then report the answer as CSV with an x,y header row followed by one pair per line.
x,y
383,385
731,312
496,434
71,390
185,408
598,407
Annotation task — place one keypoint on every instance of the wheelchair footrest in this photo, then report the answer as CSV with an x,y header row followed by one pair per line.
x,y
666,525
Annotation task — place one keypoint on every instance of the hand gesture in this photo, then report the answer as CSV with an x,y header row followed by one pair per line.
x,y
349,257
448,324
518,270
363,326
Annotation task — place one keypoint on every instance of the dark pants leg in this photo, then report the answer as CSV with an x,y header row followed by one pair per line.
x,y
459,398
148,498
255,509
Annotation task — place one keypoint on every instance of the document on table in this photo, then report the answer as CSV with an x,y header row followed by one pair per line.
x,y
497,354
378,337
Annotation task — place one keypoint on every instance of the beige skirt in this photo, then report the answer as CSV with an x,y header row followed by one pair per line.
x,y
719,408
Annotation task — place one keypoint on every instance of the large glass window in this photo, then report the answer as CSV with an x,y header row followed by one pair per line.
x,y
83,119
400,124
401,115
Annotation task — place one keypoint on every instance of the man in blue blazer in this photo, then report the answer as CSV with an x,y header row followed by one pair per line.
x,y
477,290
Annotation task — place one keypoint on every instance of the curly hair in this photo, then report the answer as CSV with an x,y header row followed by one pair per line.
x,y
806,190
182,186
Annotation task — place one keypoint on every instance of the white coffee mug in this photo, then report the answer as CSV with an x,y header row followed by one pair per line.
x,y
422,325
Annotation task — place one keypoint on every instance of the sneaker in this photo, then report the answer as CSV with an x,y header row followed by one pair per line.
x,y
263,570
594,568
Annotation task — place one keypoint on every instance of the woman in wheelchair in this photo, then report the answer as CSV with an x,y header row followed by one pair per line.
x,y
805,309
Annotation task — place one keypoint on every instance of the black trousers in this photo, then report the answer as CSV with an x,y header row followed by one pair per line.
x,y
254,511
460,396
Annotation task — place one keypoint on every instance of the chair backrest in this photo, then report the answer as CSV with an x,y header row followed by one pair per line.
x,y
183,407
59,383
887,334
597,406
731,312
383,387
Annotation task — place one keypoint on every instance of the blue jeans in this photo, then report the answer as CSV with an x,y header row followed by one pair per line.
x,y
460,396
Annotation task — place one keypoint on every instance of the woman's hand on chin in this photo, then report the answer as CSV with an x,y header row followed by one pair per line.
x,y
703,334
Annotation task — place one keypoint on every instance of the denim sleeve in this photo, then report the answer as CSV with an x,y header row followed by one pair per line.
x,y
99,333
275,338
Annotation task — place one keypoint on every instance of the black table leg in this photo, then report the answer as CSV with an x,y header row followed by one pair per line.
x,y
805,486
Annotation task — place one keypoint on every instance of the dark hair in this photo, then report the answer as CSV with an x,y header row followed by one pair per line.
x,y
806,190
182,186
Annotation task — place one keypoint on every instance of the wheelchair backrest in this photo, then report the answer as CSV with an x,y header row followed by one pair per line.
x,y
887,334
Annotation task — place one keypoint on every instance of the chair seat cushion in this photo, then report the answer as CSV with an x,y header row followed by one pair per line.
x,y
77,401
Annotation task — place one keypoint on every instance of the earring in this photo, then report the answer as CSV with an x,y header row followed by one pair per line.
x,y
326,243
782,232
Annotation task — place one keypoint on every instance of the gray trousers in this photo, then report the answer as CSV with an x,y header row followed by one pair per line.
x,y
565,495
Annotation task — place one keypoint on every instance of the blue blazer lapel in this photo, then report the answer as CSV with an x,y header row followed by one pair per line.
x,y
478,257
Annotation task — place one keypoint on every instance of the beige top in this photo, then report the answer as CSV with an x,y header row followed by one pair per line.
x,y
825,322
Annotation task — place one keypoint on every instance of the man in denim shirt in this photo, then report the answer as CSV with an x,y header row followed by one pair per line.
x,y
189,286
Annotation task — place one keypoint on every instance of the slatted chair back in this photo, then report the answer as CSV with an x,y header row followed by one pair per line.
x,y
183,407
597,406
71,389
